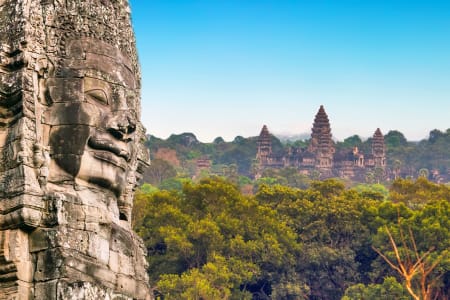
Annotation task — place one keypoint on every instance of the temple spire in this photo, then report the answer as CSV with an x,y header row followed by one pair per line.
x,y
379,149
321,143
264,146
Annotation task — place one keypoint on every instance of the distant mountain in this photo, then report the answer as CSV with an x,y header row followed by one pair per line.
x,y
285,137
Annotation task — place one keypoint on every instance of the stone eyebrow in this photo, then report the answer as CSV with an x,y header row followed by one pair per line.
x,y
109,69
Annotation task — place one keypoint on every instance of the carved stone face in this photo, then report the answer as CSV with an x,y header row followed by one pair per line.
x,y
92,116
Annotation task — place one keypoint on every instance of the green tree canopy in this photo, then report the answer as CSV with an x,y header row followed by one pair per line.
x,y
207,240
211,240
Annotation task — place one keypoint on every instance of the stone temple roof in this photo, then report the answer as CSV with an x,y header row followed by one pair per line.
x,y
264,133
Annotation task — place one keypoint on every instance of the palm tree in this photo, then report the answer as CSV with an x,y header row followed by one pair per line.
x,y
370,177
424,173
396,168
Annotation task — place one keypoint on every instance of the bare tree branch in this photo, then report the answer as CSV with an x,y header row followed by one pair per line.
x,y
409,270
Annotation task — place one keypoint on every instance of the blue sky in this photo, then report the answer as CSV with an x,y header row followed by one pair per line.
x,y
226,67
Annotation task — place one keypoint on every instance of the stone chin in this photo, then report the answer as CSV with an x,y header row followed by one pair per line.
x,y
102,169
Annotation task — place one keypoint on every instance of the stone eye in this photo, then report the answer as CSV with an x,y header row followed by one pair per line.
x,y
98,95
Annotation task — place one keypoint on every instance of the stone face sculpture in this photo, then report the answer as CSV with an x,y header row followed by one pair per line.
x,y
70,151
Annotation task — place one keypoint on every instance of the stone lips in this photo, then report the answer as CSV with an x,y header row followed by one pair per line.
x,y
71,151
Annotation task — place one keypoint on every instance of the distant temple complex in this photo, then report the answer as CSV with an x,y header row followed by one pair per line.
x,y
320,158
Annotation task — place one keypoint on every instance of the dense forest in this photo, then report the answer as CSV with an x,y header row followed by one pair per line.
x,y
213,231
177,158
208,240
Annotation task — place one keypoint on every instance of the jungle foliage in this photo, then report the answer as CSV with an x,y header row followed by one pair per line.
x,y
208,240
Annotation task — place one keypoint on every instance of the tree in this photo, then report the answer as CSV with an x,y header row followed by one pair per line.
x,y
415,268
167,154
372,191
417,193
217,279
158,171
140,204
370,177
415,244
328,188
396,167
209,241
435,135
294,178
390,289
219,140
379,174
174,183
424,173
395,139
350,142
332,233
328,223
315,174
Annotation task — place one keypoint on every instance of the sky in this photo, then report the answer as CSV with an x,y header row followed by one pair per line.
x,y
227,67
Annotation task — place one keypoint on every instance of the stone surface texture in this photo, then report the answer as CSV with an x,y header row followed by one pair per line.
x,y
71,151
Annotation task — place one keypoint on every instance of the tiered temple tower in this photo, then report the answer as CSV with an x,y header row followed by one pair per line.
x,y
379,149
264,147
319,158
321,143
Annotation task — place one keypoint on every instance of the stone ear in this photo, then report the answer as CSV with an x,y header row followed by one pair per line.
x,y
44,69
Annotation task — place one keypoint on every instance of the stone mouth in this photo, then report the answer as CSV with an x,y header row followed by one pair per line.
x,y
110,158
109,151
108,145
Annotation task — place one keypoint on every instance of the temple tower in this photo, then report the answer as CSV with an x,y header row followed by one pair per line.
x,y
70,151
321,143
264,147
379,149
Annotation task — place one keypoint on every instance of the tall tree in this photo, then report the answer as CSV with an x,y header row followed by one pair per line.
x,y
211,242
158,171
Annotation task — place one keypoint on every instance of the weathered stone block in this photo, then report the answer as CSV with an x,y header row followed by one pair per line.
x,y
114,261
21,217
48,265
43,239
64,90
46,290
86,290
74,239
121,241
88,269
74,215
126,266
98,248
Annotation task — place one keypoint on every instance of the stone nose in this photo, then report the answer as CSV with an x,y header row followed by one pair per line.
x,y
122,125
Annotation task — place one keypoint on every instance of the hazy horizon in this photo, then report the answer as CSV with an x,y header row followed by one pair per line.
x,y
225,68
284,136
